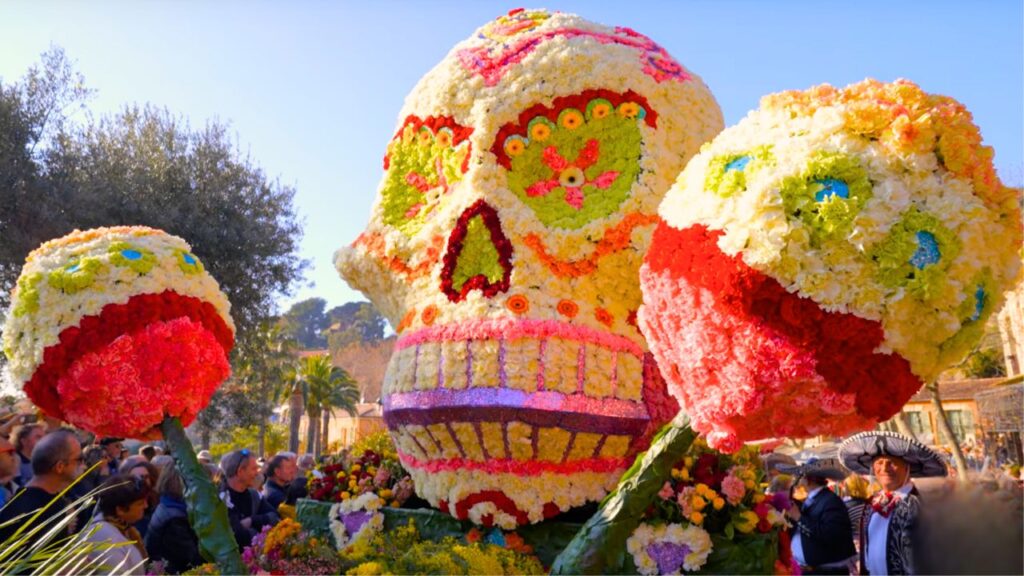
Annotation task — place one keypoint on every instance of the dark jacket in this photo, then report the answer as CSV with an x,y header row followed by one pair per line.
x,y
297,489
274,495
170,537
825,531
249,504
900,539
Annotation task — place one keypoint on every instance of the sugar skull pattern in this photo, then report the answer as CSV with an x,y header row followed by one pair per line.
x,y
520,386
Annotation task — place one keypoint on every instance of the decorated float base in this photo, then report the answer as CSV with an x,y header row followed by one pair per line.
x,y
599,546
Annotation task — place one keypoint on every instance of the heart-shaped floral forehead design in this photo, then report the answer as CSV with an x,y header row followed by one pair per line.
x,y
577,160
424,162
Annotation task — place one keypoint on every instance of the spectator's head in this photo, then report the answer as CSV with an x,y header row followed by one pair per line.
x,y
113,446
26,436
148,451
8,460
891,472
57,457
214,471
240,468
93,454
142,469
123,498
780,484
162,461
281,469
306,463
204,457
813,482
170,483
129,463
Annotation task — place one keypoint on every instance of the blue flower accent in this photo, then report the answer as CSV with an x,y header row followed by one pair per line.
x,y
927,250
131,254
189,259
738,164
496,537
979,303
72,268
831,187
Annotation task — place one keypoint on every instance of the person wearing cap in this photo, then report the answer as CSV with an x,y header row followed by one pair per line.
x,y
888,527
247,510
114,447
822,540
204,457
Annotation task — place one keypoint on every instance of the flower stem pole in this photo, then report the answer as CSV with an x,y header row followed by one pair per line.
x,y
206,513
600,545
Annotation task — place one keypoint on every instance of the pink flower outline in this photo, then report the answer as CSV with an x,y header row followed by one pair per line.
x,y
559,165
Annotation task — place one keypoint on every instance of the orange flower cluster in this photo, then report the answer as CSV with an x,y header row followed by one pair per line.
x,y
907,120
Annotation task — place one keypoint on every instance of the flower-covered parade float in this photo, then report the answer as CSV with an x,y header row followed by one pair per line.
x,y
518,197
122,332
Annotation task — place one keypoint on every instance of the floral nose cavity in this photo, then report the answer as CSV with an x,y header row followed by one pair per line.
x,y
479,255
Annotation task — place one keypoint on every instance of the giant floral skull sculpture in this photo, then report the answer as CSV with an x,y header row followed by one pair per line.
x,y
518,198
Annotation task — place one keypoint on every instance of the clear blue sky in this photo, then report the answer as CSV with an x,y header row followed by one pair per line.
x,y
312,89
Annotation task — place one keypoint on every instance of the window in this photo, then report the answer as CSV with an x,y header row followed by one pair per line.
x,y
962,423
915,420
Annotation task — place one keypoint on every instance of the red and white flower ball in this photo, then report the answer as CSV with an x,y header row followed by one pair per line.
x,y
113,329
819,261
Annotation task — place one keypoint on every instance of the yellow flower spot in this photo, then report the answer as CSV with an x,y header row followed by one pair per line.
x,y
684,474
514,146
424,135
345,495
356,467
698,503
444,138
570,119
688,461
540,131
697,518
629,109
385,494
675,474
758,498
600,110
394,504
718,503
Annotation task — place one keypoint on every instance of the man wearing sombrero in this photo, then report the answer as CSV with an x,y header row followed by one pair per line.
x,y
822,536
887,529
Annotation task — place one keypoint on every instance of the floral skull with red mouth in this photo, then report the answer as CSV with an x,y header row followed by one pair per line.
x,y
518,198
823,258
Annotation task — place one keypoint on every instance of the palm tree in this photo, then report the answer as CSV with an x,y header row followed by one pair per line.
x,y
324,387
265,368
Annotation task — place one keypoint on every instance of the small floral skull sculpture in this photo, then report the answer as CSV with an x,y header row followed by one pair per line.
x,y
822,259
518,198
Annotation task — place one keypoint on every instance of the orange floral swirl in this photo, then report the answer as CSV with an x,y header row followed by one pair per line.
x,y
375,246
615,239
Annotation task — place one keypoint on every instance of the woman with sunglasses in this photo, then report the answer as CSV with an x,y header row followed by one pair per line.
x,y
122,503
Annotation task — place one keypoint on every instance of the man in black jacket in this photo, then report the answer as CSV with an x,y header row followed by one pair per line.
x,y
822,540
280,471
247,511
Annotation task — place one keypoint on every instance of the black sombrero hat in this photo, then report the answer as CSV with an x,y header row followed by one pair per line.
x,y
823,468
857,452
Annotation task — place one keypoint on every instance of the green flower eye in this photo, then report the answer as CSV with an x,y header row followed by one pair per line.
x,y
827,195
727,174
916,254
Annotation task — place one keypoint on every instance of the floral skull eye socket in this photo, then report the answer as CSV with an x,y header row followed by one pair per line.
x,y
576,161
425,161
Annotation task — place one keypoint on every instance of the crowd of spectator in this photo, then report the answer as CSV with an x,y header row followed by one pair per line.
x,y
140,502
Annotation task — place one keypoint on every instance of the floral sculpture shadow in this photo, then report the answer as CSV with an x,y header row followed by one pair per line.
x,y
122,332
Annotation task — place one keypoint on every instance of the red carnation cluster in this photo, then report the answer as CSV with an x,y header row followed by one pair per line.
x,y
127,387
749,360
157,354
